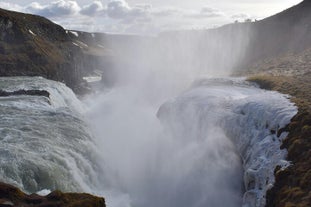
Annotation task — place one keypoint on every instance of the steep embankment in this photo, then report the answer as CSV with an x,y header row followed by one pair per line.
x,y
286,32
280,59
293,185
31,45
12,196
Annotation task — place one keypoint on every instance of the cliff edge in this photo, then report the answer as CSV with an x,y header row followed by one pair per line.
x,y
32,45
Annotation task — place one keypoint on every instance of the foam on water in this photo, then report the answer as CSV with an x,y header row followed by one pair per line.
x,y
45,143
191,156
249,116
60,94
195,150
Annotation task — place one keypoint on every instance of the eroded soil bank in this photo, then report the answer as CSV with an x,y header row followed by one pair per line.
x,y
12,196
293,185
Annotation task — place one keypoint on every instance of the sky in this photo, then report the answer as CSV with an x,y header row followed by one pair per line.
x,y
147,16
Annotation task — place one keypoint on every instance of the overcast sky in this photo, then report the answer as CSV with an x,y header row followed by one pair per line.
x,y
147,16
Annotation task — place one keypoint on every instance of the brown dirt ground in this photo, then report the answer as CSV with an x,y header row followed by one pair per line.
x,y
12,196
293,185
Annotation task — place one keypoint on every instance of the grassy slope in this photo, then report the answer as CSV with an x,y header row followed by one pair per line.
x,y
280,59
293,185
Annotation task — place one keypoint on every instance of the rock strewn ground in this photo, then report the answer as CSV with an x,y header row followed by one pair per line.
x,y
25,92
12,196
289,65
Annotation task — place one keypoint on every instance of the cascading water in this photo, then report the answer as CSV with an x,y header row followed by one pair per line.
x,y
45,143
188,153
241,113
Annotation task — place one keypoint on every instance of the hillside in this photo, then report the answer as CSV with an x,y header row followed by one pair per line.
x,y
286,32
282,62
31,45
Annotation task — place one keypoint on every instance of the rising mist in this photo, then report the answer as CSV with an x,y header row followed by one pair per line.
x,y
149,162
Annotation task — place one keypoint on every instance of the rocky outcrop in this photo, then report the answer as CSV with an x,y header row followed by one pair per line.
x,y
25,92
12,196
31,45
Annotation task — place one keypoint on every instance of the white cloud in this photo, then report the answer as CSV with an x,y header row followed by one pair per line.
x,y
141,10
11,6
168,11
210,12
118,9
93,9
117,15
54,9
206,12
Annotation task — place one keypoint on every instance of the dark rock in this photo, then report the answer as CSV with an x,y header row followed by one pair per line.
x,y
31,45
25,92
12,196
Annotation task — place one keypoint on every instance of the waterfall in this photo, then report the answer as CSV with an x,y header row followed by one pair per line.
x,y
45,143
197,149
216,144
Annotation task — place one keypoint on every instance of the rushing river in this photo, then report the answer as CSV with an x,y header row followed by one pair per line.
x,y
214,145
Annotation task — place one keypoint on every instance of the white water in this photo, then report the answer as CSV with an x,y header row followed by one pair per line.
x,y
187,153
45,143
203,148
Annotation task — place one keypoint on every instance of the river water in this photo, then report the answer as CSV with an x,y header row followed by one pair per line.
x,y
212,145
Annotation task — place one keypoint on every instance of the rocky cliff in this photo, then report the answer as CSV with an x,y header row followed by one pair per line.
x,y
31,45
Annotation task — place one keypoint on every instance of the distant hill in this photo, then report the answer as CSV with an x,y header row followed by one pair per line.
x,y
286,32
